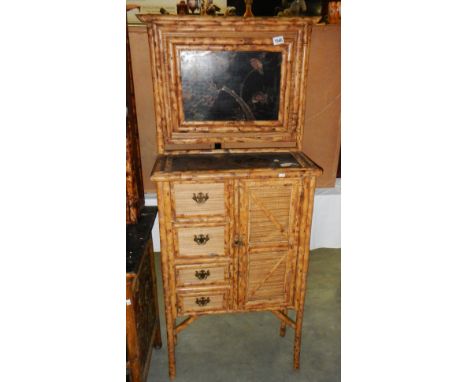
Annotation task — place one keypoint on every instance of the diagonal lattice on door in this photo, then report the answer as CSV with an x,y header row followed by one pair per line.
x,y
269,211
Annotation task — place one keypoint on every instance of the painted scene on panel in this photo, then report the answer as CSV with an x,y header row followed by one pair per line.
x,y
230,85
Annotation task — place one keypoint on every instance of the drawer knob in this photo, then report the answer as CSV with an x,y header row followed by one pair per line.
x,y
202,301
202,274
201,239
238,241
200,198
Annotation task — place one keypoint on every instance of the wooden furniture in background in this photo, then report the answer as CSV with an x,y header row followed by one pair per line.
x,y
143,328
134,186
235,197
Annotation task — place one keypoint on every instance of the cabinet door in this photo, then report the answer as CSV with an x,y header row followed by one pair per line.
x,y
267,241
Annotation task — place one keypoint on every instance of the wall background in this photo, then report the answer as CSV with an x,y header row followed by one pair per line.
x,y
323,101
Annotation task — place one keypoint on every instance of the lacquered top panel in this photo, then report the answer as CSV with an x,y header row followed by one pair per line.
x,y
232,161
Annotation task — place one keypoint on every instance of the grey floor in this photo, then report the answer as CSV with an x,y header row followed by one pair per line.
x,y
247,347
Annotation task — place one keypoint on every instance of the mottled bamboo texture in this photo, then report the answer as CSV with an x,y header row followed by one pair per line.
x,y
143,330
257,253
134,180
168,35
232,239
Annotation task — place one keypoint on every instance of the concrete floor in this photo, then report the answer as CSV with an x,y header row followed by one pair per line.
x,y
247,347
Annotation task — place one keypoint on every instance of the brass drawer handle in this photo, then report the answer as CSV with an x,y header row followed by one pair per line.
x,y
200,198
202,274
201,239
202,301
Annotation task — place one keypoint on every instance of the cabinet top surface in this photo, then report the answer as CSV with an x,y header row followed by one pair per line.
x,y
231,162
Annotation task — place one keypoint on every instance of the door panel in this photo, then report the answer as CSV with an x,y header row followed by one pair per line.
x,y
269,210
268,231
267,272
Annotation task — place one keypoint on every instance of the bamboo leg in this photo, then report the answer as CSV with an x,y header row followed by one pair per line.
x,y
170,322
303,267
298,337
171,338
175,333
166,251
283,324
170,331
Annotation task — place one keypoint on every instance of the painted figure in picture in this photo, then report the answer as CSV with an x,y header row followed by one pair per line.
x,y
230,86
182,8
193,5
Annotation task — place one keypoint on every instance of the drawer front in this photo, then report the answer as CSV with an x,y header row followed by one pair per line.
x,y
202,274
200,241
203,301
199,199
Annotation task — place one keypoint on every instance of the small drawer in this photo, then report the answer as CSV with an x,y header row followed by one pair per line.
x,y
199,199
202,301
202,274
200,241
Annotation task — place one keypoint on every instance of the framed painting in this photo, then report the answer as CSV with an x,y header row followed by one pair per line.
x,y
230,85
228,82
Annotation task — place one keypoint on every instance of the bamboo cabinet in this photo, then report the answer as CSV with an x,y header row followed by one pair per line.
x,y
143,329
235,192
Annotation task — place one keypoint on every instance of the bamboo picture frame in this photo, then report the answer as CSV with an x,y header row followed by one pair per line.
x,y
172,37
